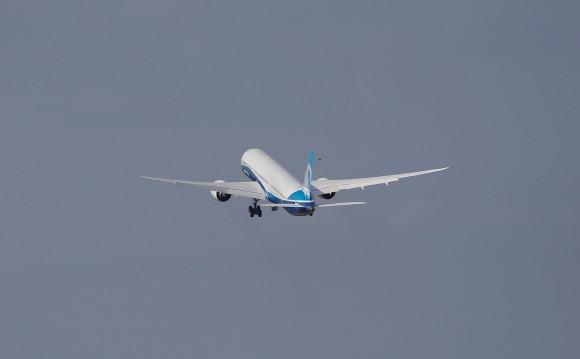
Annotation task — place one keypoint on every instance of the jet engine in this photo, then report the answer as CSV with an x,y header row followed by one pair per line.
x,y
220,196
326,195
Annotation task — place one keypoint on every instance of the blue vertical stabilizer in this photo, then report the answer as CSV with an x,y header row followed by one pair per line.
x,y
307,184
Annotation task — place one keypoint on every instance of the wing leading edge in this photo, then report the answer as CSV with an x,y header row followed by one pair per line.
x,y
329,186
242,189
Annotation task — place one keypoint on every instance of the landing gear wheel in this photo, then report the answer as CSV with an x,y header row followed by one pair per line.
x,y
255,210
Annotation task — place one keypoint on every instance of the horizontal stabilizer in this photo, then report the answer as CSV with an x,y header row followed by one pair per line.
x,y
287,205
298,205
340,204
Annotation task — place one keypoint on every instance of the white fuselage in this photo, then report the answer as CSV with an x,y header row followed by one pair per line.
x,y
278,184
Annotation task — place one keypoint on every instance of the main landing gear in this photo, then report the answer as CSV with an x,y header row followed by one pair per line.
x,y
255,209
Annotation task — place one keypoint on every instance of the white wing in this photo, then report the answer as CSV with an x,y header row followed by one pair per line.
x,y
243,189
329,186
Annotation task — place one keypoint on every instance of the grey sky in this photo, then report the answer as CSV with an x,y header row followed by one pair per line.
x,y
480,261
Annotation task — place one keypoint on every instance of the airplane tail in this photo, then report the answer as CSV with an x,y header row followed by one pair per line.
x,y
307,184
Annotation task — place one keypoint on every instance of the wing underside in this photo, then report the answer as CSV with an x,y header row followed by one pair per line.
x,y
252,189
328,186
242,189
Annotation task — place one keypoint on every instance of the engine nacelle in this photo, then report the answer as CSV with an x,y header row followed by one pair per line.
x,y
220,196
326,195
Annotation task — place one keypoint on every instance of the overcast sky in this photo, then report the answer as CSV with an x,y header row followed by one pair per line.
x,y
480,261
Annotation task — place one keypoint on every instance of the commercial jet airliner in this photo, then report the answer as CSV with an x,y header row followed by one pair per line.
x,y
272,183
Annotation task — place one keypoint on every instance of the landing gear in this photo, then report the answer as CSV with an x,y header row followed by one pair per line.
x,y
255,209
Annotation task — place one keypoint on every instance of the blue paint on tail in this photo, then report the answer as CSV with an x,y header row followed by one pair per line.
x,y
307,184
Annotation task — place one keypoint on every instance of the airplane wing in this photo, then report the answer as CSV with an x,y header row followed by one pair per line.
x,y
329,186
242,189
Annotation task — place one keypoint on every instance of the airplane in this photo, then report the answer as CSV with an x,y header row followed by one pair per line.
x,y
272,183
